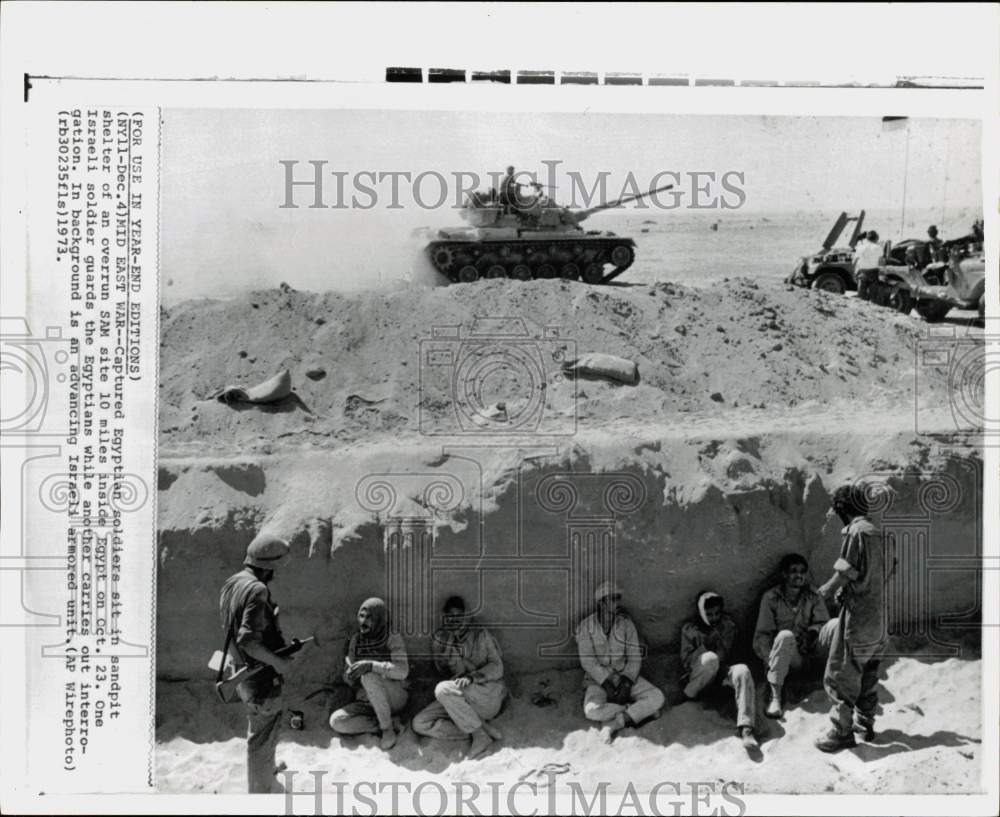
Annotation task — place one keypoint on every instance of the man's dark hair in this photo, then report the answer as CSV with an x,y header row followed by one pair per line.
x,y
454,603
851,500
872,235
789,560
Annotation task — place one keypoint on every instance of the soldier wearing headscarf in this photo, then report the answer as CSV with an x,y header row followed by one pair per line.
x,y
376,668
707,643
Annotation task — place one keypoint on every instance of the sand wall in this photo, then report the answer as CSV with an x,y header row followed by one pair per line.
x,y
524,535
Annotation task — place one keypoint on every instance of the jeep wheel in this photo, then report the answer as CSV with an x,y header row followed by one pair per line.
x,y
933,311
900,300
829,282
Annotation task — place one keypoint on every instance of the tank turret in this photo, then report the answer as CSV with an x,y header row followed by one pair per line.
x,y
531,237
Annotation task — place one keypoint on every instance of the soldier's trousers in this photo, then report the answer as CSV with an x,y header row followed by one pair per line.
x,y
263,727
785,655
646,701
377,701
851,680
704,668
458,712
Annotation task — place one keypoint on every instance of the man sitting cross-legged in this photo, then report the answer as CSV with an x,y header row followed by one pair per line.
x,y
611,657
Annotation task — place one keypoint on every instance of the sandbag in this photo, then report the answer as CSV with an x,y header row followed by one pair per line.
x,y
598,364
270,391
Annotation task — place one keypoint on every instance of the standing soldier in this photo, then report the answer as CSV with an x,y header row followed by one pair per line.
x,y
250,619
611,657
793,628
867,259
473,694
510,191
935,244
860,581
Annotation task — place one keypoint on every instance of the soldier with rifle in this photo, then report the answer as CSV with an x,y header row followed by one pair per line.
x,y
250,619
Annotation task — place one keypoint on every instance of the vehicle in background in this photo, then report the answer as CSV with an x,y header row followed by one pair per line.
x,y
832,268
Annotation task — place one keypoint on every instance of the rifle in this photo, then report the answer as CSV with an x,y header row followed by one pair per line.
x,y
226,688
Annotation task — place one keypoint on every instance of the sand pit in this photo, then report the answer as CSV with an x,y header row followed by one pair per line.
x,y
754,403
930,742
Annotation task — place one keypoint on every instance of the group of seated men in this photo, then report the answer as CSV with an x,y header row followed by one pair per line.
x,y
793,632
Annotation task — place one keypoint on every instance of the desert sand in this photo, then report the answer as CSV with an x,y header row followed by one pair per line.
x,y
754,402
929,741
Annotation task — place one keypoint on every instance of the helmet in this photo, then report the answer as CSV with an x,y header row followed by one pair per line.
x,y
606,589
267,551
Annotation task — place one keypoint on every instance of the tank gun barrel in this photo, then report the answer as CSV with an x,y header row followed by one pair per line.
x,y
582,214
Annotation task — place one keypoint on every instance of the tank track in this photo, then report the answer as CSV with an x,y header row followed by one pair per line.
x,y
576,259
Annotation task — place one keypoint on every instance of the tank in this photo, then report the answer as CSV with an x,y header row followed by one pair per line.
x,y
531,237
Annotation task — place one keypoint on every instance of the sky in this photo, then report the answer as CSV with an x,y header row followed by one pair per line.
x,y
223,184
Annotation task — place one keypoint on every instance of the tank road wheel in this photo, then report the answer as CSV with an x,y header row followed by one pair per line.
x,y
442,258
569,272
521,272
829,282
496,271
593,274
468,274
899,299
622,255
546,271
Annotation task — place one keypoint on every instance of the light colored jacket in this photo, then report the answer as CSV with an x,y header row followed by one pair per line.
x,y
476,653
396,668
867,255
777,614
602,654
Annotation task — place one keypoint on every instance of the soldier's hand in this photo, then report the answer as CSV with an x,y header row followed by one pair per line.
x,y
623,695
359,668
807,642
462,681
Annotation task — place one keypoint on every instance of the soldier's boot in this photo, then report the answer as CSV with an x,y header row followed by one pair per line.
x,y
835,740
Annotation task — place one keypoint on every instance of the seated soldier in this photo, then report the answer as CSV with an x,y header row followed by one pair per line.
x,y
474,692
611,657
706,648
377,667
793,629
